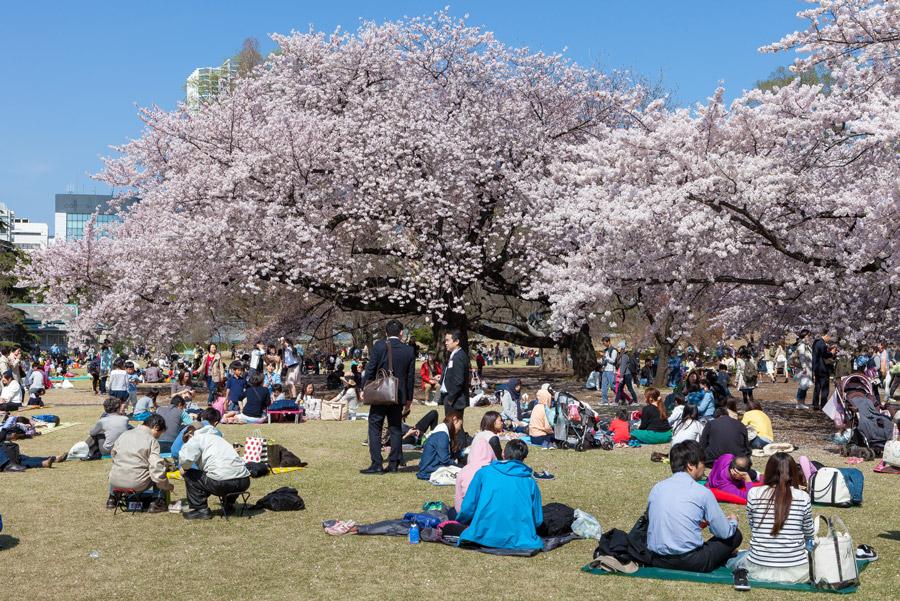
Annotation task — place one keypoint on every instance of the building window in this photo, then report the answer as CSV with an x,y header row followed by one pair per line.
x,y
75,223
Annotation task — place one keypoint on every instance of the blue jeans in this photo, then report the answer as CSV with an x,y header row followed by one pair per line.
x,y
24,460
119,394
211,389
607,383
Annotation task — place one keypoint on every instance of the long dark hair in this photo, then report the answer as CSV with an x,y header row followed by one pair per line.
x,y
688,415
782,474
452,431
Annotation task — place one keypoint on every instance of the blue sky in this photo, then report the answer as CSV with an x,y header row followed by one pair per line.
x,y
72,73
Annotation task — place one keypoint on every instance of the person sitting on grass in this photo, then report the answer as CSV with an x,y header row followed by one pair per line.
x,y
36,379
755,418
36,398
502,504
654,428
111,425
511,403
136,462
688,427
490,429
210,466
176,417
441,447
781,525
677,507
208,417
706,401
724,434
280,402
11,395
252,410
480,454
539,428
675,416
145,405
309,402
348,394
732,475
621,428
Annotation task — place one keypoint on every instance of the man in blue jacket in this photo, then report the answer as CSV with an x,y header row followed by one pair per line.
x,y
502,505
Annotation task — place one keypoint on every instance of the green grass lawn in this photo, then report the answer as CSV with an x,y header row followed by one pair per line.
x,y
54,518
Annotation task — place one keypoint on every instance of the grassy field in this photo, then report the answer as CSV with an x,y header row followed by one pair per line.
x,y
53,519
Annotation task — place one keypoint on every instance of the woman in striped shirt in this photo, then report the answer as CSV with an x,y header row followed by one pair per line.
x,y
781,523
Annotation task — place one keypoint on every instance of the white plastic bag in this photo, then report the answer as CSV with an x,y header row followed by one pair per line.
x,y
79,450
66,384
586,525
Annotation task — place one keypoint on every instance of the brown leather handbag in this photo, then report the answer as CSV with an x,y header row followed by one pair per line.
x,y
383,389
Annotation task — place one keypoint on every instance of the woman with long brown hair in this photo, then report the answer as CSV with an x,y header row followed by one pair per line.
x,y
441,448
654,427
780,515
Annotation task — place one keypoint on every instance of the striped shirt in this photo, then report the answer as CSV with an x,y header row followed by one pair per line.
x,y
788,549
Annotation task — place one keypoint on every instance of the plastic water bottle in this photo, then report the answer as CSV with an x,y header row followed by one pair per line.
x,y
94,554
414,537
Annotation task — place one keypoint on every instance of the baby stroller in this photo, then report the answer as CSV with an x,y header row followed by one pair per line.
x,y
573,424
853,406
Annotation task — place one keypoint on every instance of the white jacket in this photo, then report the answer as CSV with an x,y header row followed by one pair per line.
x,y
212,455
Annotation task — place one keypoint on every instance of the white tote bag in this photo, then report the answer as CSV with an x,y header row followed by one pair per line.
x,y
828,487
832,561
891,454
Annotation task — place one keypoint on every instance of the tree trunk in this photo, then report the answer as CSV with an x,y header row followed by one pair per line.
x,y
581,347
664,348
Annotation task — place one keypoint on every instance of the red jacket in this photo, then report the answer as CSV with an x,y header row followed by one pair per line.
x,y
427,375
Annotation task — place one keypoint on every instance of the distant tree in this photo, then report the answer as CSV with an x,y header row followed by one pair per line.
x,y
248,58
782,76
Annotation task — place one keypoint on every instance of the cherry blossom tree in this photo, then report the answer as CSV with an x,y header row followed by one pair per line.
x,y
782,207
385,171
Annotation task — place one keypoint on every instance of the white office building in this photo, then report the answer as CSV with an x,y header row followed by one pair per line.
x,y
29,235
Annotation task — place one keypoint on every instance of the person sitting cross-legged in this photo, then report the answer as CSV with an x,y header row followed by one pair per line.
x,y
211,466
136,463
502,504
112,424
677,508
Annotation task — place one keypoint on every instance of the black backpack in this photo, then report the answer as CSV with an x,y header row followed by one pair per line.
x,y
283,499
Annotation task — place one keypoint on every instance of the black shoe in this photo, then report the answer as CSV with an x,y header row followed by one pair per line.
x,y
741,580
199,514
372,469
392,469
14,468
111,503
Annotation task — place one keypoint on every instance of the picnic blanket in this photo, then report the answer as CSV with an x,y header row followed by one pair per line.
x,y
719,576
62,426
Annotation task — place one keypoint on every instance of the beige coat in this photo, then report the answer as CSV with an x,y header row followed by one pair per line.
x,y
215,369
136,461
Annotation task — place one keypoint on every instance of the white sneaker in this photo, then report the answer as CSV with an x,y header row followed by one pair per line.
x,y
802,406
175,507
430,403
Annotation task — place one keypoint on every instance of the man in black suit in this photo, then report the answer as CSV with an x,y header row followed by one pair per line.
x,y
404,362
821,365
455,376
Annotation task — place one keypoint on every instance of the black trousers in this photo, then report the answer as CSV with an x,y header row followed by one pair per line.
x,y
820,390
394,416
713,554
199,487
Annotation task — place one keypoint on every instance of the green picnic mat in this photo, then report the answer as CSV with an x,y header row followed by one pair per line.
x,y
720,576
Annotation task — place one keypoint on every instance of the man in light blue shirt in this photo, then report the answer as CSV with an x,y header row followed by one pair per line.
x,y
678,508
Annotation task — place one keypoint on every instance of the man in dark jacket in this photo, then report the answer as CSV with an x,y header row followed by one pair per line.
x,y
455,376
821,365
724,434
404,368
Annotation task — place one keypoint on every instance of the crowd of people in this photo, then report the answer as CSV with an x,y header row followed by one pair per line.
x,y
497,502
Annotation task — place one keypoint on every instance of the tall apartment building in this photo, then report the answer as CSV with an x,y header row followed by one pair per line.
x,y
205,83
6,224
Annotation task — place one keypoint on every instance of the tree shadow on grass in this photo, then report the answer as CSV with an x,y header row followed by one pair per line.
x,y
7,541
891,535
